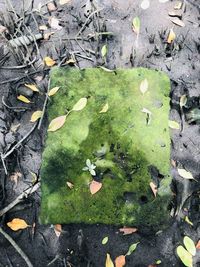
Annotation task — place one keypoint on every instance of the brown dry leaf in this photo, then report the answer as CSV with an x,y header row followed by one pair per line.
x,y
15,177
63,2
17,224
3,29
109,262
53,91
49,61
51,7
128,230
32,87
54,23
48,35
57,123
178,22
198,245
95,187
171,36
57,229
36,115
153,188
43,28
69,184
23,99
120,261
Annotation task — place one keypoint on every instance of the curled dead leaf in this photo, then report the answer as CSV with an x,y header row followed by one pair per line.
x,y
95,187
69,184
17,224
128,230
153,188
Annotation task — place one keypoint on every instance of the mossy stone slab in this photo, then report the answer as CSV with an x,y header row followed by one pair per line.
x,y
129,144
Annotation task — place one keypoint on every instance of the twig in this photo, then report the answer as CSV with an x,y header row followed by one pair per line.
x,y
18,67
20,198
45,104
4,156
15,108
88,18
18,249
82,56
4,165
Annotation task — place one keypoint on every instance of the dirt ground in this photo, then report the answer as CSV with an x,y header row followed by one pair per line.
x,y
80,245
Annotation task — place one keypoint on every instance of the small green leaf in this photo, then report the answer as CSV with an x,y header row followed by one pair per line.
x,y
174,125
189,244
188,220
80,104
132,248
185,256
104,240
158,262
104,108
136,25
104,50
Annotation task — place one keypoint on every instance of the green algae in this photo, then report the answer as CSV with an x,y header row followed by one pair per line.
x,y
121,142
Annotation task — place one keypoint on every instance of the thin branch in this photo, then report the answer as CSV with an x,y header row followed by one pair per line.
x,y
4,156
45,104
20,198
17,248
18,67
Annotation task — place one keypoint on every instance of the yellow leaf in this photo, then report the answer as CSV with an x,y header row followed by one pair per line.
x,y
57,123
36,115
95,187
104,109
80,104
185,174
171,36
109,262
120,261
17,224
23,99
49,61
144,86
32,87
63,2
174,125
70,61
53,91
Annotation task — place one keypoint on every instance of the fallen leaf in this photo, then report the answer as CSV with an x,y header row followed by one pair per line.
x,y
178,22
189,245
80,104
109,262
185,256
163,1
33,87
51,7
145,4
14,127
104,240
36,115
54,23
57,123
34,177
49,61
178,5
185,174
57,229
104,109
15,177
188,220
63,2
104,51
43,28
144,86
183,100
158,262
95,187
145,110
23,99
70,61
153,188
171,36
53,91
136,25
198,245
69,184
120,261
132,248
174,125
47,35
17,224
128,230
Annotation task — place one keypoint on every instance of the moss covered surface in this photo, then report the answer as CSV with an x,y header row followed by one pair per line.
x,y
121,142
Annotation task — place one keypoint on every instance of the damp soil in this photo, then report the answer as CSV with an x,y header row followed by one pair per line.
x,y
80,245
